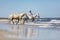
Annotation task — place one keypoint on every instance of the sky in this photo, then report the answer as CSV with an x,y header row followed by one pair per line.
x,y
45,8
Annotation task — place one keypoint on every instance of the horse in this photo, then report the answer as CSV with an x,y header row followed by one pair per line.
x,y
31,18
17,17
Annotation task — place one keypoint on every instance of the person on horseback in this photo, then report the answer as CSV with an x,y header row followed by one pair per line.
x,y
31,15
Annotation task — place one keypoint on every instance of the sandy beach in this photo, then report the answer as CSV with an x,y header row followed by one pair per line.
x,y
2,33
4,20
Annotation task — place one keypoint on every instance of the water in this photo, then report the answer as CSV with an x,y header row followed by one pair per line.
x,y
24,32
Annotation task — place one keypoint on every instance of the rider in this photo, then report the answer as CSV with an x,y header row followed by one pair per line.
x,y
31,15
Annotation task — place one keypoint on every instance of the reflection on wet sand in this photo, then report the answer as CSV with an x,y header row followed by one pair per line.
x,y
27,32
11,26
30,32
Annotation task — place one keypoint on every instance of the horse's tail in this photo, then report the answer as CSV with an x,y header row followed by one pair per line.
x,y
10,18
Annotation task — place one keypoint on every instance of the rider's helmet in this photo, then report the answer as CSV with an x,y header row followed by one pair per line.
x,y
30,11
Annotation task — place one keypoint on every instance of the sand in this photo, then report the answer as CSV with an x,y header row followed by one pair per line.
x,y
4,20
3,32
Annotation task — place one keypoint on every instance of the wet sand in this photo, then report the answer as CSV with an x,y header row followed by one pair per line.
x,y
46,34
2,33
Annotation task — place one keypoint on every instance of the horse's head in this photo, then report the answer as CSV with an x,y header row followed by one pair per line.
x,y
36,16
22,15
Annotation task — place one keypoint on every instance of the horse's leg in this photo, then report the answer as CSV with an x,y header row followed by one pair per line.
x,y
17,21
12,20
25,20
33,19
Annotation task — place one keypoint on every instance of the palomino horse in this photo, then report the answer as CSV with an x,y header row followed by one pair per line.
x,y
31,18
16,16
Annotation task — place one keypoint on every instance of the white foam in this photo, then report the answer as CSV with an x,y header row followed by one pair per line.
x,y
55,21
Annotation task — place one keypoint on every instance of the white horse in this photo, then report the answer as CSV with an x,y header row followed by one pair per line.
x,y
31,18
16,16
